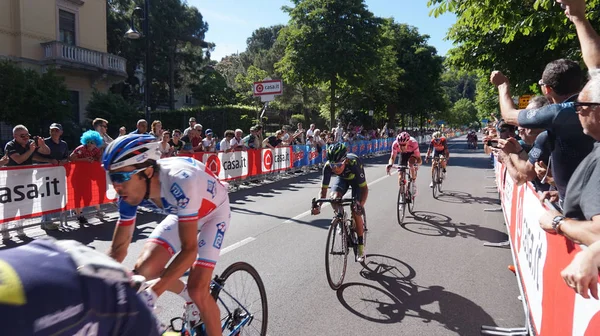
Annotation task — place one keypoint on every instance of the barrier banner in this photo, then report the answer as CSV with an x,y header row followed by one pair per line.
x,y
362,148
552,307
227,166
300,153
276,159
314,157
86,185
29,192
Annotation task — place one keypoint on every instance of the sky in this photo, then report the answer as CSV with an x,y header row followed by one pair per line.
x,y
231,22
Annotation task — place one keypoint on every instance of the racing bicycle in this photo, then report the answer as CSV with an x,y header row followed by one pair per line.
x,y
405,194
247,316
341,237
437,176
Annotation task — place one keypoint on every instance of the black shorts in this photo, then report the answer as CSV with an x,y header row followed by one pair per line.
x,y
437,153
42,293
404,157
341,186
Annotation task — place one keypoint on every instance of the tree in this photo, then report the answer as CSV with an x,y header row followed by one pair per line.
x,y
462,113
328,41
31,98
212,89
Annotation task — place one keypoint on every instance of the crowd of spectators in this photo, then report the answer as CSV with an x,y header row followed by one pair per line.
x,y
554,144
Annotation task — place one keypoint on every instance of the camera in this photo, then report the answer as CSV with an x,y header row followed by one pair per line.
x,y
493,143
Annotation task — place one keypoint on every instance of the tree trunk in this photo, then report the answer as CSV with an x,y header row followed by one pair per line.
x,y
391,114
172,78
305,107
333,86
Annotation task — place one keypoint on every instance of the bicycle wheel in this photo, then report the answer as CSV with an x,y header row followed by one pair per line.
x,y
440,181
435,179
401,206
365,231
241,310
336,254
411,203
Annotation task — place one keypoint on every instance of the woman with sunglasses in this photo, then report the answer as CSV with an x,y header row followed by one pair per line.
x,y
197,209
350,173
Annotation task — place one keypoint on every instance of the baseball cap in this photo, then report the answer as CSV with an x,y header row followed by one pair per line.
x,y
192,119
208,131
56,125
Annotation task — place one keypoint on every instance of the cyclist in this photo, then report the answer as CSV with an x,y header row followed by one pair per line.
x,y
438,146
350,173
408,148
50,287
197,209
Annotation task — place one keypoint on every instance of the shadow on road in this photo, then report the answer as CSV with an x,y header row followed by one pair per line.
x,y
434,224
461,197
399,297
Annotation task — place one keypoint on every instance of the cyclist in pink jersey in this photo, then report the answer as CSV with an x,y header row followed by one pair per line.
x,y
408,148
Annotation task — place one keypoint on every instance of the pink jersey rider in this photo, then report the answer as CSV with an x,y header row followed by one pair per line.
x,y
411,147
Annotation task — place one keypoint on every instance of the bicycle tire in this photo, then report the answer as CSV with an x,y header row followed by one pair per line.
x,y
441,180
245,267
401,204
331,236
411,204
435,178
365,231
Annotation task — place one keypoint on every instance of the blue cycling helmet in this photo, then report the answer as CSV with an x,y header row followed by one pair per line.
x,y
129,150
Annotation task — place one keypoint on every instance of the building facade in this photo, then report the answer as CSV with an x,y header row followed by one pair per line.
x,y
69,35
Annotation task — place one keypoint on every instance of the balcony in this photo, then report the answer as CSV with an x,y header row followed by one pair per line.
x,y
75,57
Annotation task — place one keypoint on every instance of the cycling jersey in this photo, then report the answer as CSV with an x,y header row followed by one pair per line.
x,y
438,145
43,293
353,172
189,192
411,147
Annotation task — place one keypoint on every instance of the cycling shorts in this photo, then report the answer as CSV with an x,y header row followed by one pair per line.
x,y
404,157
437,152
211,232
341,186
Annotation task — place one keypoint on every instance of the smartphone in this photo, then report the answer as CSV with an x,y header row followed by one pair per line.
x,y
493,143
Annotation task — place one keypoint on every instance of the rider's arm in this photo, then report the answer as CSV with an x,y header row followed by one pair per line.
x,y
362,183
392,158
123,231
325,180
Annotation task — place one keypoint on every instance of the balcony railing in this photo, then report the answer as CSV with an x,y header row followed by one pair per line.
x,y
60,51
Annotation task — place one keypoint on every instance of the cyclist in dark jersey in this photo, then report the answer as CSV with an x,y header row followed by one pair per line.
x,y
50,287
350,173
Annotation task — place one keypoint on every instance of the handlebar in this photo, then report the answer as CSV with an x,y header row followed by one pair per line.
x,y
340,201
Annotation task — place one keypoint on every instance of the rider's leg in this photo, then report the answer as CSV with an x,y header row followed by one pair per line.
x,y
339,187
199,289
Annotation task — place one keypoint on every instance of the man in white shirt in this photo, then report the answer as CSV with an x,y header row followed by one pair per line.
x,y
225,144
237,143
311,130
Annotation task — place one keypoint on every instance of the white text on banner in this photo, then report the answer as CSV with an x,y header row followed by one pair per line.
x,y
25,192
227,166
276,159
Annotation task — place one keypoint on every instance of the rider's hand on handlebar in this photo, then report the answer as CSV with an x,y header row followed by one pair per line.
x,y
387,169
316,210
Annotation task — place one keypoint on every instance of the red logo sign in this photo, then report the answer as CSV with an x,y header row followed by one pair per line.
x,y
259,88
213,164
268,159
313,154
299,156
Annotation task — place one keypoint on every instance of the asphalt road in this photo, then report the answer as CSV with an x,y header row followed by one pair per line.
x,y
431,275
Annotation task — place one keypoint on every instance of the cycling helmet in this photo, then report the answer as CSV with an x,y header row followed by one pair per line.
x,y
403,138
336,152
129,150
436,135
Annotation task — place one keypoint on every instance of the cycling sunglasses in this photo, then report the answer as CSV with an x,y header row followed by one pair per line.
x,y
336,165
122,177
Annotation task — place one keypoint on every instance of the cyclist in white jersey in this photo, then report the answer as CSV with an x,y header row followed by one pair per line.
x,y
198,214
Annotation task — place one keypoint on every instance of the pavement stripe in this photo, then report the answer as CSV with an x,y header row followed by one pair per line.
x,y
236,245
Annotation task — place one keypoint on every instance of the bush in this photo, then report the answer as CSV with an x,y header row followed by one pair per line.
x,y
298,118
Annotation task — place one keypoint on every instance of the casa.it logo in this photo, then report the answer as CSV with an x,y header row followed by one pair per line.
x,y
354,148
214,164
313,154
362,147
298,156
268,159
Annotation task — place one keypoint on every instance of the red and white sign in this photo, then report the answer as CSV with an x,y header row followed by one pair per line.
x,y
276,159
227,166
268,87
31,191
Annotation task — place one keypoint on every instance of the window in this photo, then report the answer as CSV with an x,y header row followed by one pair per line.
x,y
188,99
75,106
66,26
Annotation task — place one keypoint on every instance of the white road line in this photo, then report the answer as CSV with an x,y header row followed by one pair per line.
x,y
236,245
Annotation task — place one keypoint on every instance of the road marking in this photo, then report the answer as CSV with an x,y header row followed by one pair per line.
x,y
236,245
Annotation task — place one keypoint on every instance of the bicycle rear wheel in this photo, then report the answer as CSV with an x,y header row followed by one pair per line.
x,y
365,231
242,301
401,206
435,179
411,203
336,254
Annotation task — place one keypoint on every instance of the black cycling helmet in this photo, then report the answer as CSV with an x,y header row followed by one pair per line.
x,y
337,152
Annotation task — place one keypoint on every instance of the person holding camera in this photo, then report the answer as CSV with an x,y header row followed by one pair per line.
x,y
20,150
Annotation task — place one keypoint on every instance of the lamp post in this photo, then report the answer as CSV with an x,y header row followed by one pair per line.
x,y
133,34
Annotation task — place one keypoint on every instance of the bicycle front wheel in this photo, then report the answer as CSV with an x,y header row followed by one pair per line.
x,y
401,206
435,179
242,301
336,254
411,203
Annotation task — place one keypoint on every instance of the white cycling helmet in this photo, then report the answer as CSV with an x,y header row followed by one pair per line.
x,y
130,150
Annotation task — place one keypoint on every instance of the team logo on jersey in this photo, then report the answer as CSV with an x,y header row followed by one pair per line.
x,y
11,288
535,153
177,192
201,243
183,174
211,188
531,114
219,236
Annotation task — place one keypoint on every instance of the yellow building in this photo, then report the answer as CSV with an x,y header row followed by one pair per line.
x,y
67,34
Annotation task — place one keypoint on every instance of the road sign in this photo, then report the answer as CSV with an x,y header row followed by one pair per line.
x,y
524,101
268,87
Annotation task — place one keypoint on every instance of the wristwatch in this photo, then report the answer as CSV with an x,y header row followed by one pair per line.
x,y
556,222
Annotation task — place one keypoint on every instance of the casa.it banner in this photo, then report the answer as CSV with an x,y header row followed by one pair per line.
x,y
554,309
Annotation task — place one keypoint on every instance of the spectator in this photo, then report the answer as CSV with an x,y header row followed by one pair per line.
x,y
560,83
209,143
101,126
3,160
176,142
192,123
142,127
198,128
189,141
157,130
274,140
88,151
311,130
338,132
225,145
20,150
166,150
237,143
122,131
300,140
259,134
251,140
